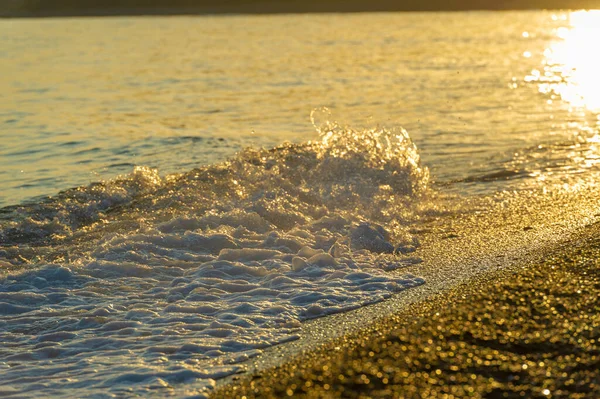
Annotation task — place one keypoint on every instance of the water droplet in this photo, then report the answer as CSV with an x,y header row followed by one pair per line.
x,y
321,120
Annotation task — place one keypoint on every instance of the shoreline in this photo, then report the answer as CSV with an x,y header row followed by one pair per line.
x,y
181,8
533,331
475,252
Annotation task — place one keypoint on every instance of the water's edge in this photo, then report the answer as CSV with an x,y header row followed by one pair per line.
x,y
481,256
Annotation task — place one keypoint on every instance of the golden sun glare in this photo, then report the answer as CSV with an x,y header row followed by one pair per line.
x,y
572,64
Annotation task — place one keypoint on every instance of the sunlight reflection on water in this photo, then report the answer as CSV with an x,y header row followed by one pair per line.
x,y
572,65
570,72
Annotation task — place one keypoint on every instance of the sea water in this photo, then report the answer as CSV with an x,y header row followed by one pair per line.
x,y
180,193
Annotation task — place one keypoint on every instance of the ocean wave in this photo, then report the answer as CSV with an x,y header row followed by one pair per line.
x,y
160,275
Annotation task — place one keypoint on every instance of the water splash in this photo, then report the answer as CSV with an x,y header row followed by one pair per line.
x,y
343,173
321,120
183,274
378,148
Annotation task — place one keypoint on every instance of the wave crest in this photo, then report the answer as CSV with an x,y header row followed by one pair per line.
x,y
364,176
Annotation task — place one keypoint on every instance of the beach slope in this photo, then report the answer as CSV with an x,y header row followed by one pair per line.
x,y
533,332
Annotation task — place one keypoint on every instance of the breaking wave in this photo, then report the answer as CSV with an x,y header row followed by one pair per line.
x,y
172,280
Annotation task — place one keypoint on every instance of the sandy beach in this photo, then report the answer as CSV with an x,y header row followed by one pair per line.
x,y
533,332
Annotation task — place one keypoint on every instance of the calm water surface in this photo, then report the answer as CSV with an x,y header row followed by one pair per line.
x,y
480,93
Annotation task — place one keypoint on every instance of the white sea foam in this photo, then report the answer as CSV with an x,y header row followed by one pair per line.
x,y
157,286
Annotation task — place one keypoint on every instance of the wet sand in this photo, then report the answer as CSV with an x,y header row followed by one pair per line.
x,y
533,333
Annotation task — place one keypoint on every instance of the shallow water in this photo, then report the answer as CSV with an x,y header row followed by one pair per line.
x,y
189,254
